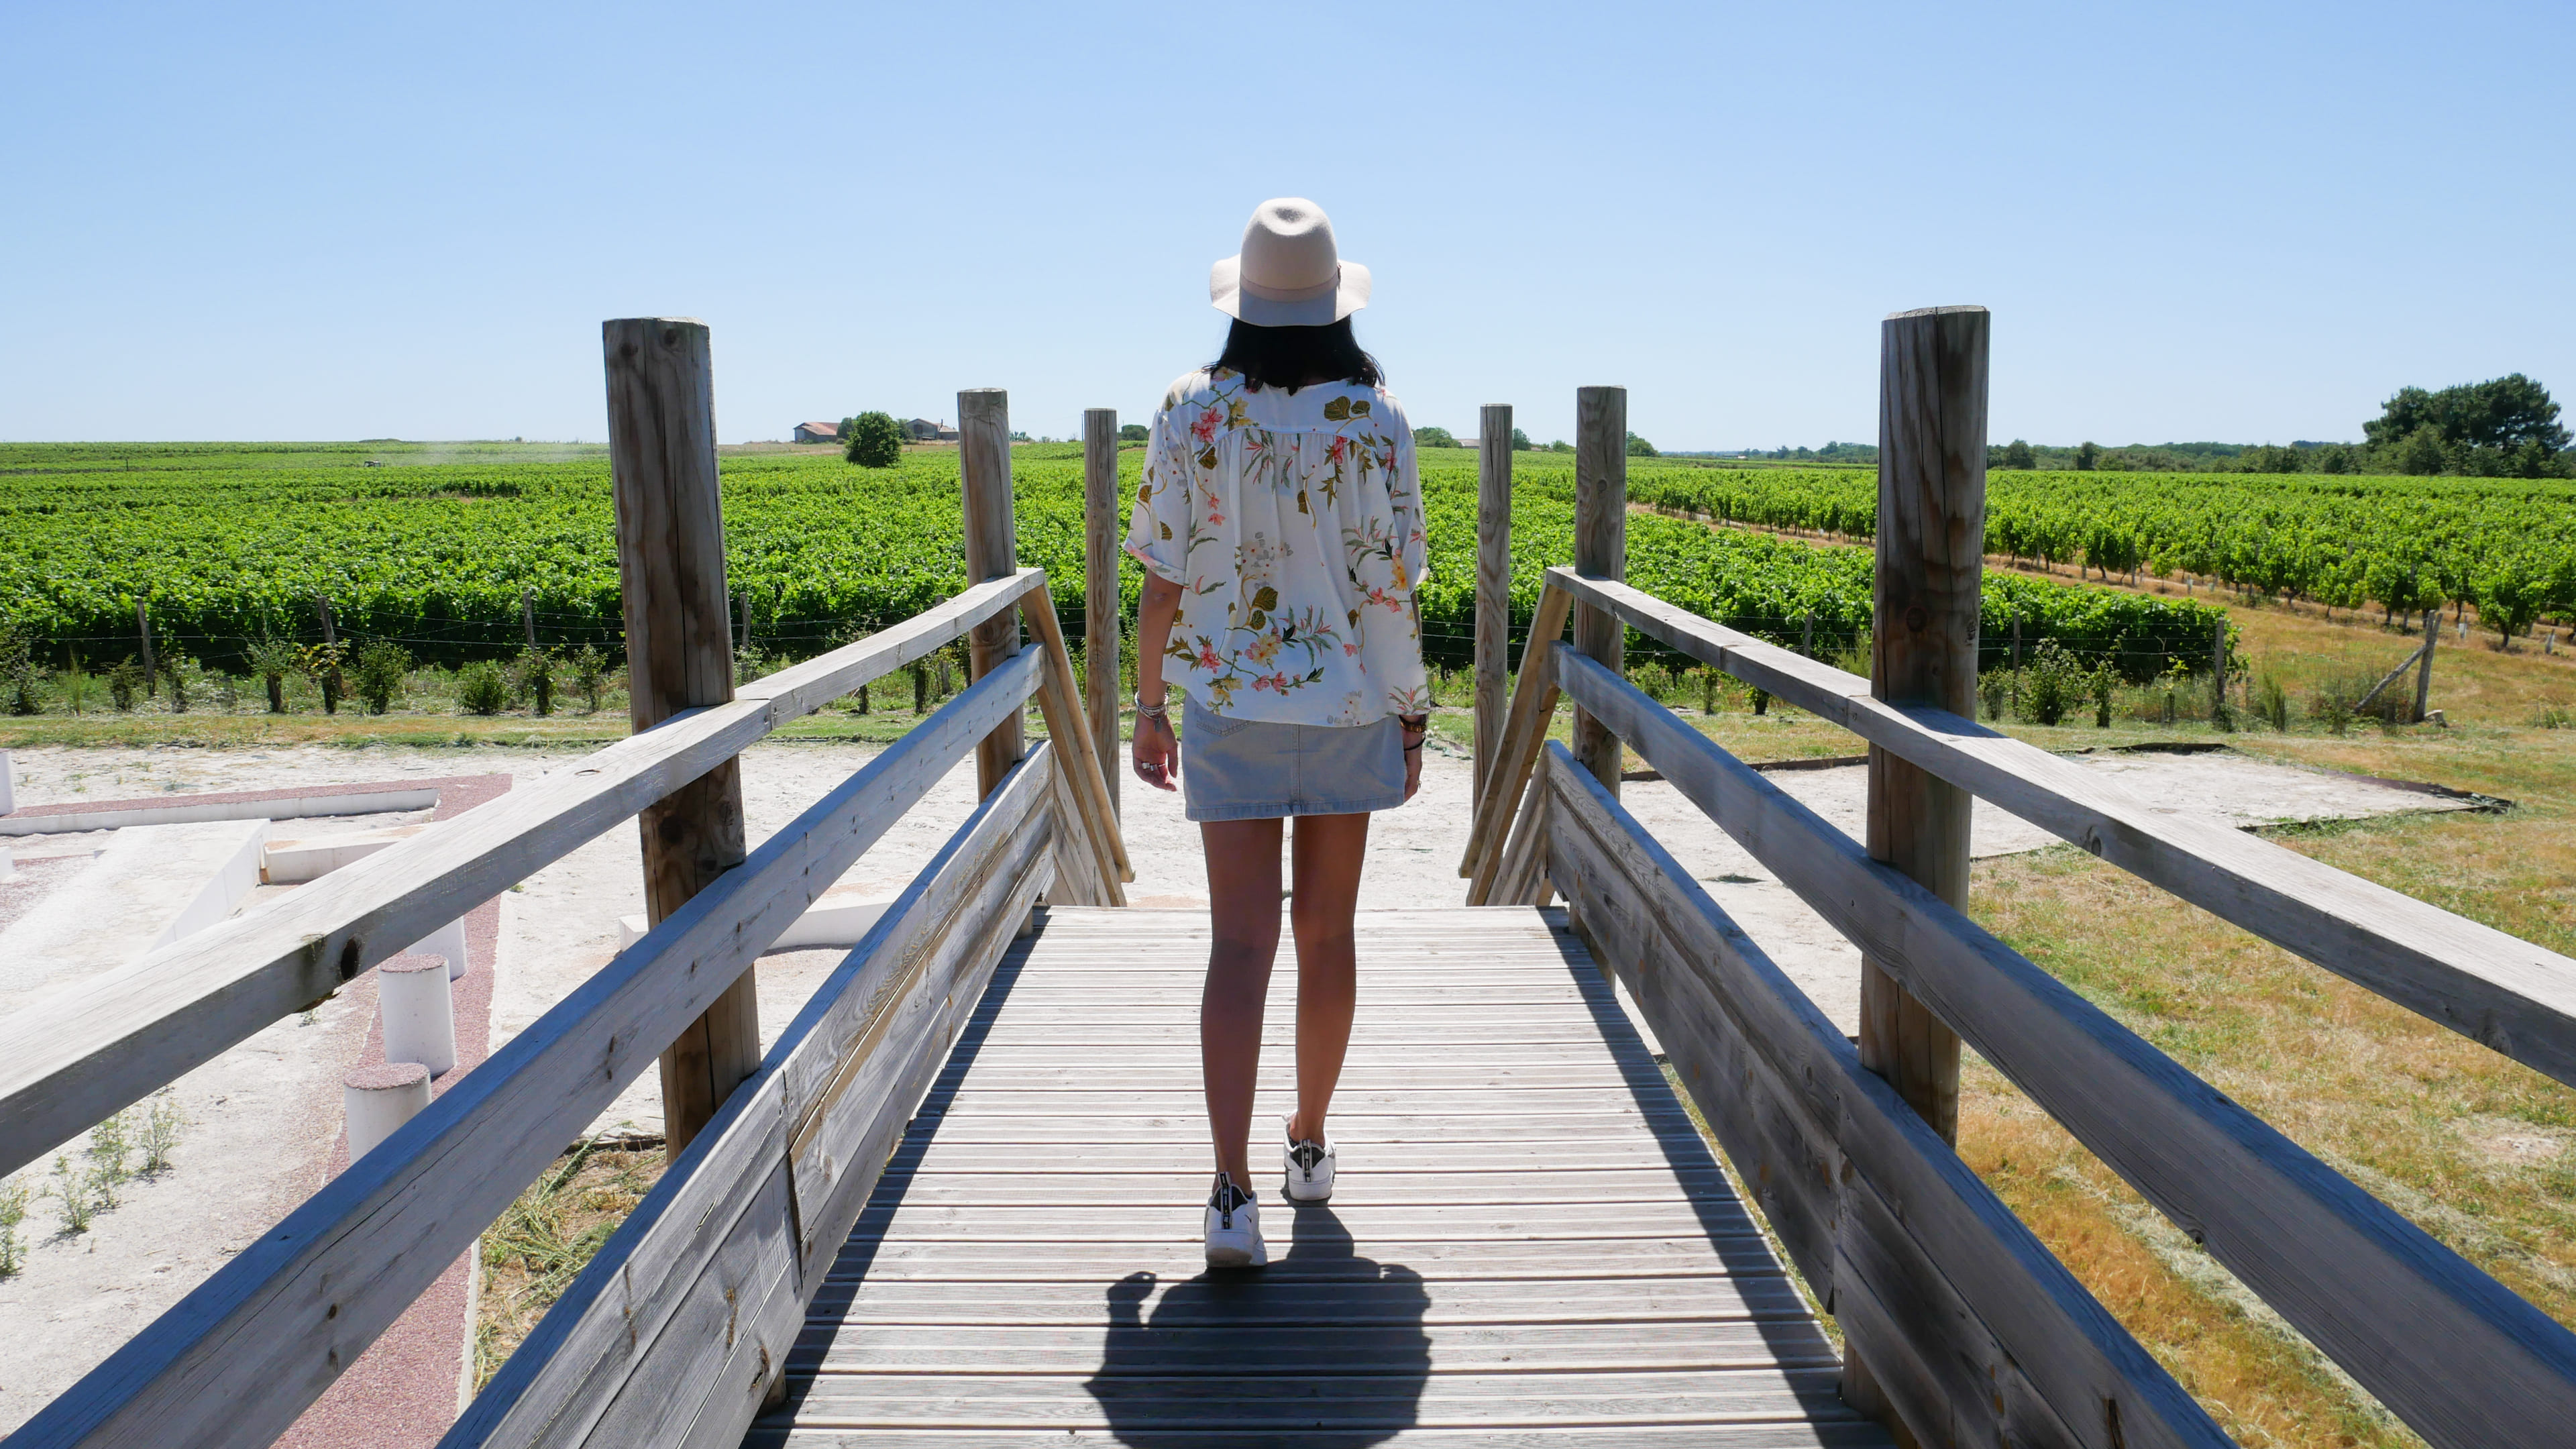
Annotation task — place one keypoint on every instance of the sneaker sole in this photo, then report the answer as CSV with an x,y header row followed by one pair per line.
x,y
1293,1196
1235,1258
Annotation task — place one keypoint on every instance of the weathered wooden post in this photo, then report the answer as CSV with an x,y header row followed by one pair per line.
x,y
143,631
2424,663
679,656
1100,620
1931,531
1601,550
992,550
1493,582
1931,540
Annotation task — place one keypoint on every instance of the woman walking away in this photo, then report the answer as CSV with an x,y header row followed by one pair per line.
x,y
1280,524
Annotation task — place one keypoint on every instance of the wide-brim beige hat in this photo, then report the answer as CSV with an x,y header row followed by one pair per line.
x,y
1289,273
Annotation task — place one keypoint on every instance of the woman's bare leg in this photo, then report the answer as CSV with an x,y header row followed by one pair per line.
x,y
1327,850
1243,907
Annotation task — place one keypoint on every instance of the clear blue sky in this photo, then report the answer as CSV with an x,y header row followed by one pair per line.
x,y
2242,222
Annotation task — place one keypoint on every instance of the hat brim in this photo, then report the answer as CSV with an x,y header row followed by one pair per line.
x,y
1226,294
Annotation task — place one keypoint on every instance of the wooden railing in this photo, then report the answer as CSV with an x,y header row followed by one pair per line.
x,y
1969,1327
681,1324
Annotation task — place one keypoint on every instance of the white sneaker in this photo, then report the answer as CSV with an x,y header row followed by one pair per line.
x,y
1310,1171
1234,1227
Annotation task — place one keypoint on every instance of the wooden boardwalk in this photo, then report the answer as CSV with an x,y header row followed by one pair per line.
x,y
1530,1244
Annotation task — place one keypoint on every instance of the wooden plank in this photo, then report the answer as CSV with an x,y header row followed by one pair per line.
x,y
2499,990
1522,879
236,1360
777,1434
1493,583
1179,1256
1215,1404
1079,763
1455,1222
1923,649
1524,730
679,657
2452,1352
1284,1302
1601,552
1451,1349
992,552
1102,617
71,1060
2027,1301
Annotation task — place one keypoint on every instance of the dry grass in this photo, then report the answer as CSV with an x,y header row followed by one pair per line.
x,y
548,1236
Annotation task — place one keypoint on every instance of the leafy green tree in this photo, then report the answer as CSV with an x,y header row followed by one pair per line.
x,y
2269,459
2422,453
2017,454
378,678
2087,456
272,659
876,440
1133,433
2500,416
1560,446
1434,438
1521,442
1640,448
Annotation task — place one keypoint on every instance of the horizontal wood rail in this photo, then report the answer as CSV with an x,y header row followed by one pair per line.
x,y
674,1332
69,1061
1902,1240
2499,990
2458,1356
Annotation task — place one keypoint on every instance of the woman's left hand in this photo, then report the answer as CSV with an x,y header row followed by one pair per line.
x,y
1413,742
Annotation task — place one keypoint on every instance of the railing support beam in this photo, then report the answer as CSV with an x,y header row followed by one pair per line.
x,y
1493,583
1601,551
992,552
1100,612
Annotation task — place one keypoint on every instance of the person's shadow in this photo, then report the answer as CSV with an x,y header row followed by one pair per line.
x,y
1323,1344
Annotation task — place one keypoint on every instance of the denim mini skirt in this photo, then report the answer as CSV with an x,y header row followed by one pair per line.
x,y
1249,769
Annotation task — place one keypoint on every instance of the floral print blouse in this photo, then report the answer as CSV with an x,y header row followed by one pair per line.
x,y
1293,524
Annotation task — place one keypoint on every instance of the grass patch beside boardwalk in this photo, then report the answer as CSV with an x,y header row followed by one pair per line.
x,y
549,1235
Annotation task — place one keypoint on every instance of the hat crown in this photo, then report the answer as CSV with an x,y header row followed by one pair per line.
x,y
1288,248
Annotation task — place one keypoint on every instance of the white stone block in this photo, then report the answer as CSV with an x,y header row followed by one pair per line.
x,y
148,887
841,916
447,941
287,862
419,1014
8,785
379,1099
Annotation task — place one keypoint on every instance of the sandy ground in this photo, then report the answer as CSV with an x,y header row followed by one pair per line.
x,y
263,1119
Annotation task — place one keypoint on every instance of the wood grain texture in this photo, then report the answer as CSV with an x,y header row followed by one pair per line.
x,y
71,1060
1058,1282
992,552
638,1350
1800,1115
1079,768
679,657
2504,992
236,1360
1600,551
2452,1352
1493,582
1923,650
1102,619
1524,730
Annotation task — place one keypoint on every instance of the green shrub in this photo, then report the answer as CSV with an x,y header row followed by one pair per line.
x,y
532,677
1994,687
271,660
589,670
124,684
481,688
876,441
2272,702
382,667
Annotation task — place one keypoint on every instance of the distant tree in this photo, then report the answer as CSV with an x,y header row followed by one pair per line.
x,y
844,431
876,440
2087,456
1520,441
2017,454
2269,459
2501,417
1434,438
2422,453
1640,448
1133,433
1560,446
1019,437
2338,458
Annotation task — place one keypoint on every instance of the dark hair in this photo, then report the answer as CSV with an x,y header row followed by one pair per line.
x,y
1293,357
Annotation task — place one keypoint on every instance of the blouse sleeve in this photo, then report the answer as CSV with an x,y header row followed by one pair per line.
x,y
1404,499
1158,529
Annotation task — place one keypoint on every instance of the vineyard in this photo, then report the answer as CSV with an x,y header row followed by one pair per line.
x,y
436,548
2507,546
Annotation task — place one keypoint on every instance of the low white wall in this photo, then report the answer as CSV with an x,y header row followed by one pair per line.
x,y
148,887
